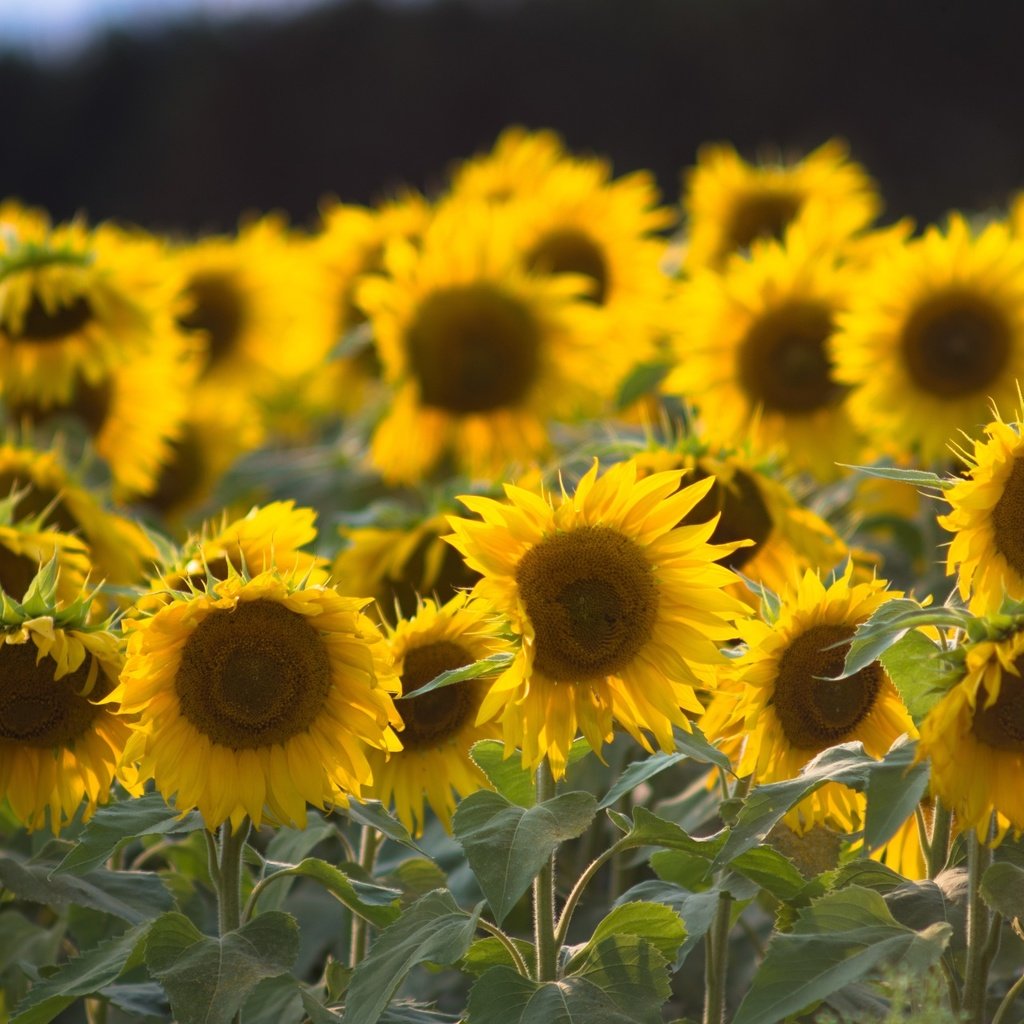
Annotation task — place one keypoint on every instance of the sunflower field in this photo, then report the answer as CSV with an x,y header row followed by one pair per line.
x,y
532,603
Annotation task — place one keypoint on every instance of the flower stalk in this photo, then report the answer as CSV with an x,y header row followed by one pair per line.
x,y
544,893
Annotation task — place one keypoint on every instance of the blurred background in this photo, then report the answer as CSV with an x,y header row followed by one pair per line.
x,y
184,114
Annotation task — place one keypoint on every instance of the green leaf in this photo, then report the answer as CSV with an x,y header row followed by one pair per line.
x,y
433,930
1002,888
893,791
653,921
208,980
877,633
921,672
83,976
133,896
775,873
623,980
116,823
697,909
835,942
507,845
290,846
416,877
506,774
376,815
649,830
491,952
274,1001
642,380
140,1000
868,874
374,902
920,477
490,665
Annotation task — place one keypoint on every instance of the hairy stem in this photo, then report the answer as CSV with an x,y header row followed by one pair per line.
x,y
544,893
369,843
979,857
938,841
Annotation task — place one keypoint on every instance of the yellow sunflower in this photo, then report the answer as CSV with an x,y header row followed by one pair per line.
x,y
934,332
974,737
440,727
730,203
620,611
74,303
792,710
752,350
518,163
986,510
398,565
481,354
256,698
60,740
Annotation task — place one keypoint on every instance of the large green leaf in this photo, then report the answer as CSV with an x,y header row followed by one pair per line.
x,y
491,952
622,980
133,896
290,846
657,923
433,930
117,823
776,874
894,790
697,909
208,980
83,976
507,845
695,748
1002,888
836,941
374,814
920,670
506,774
647,829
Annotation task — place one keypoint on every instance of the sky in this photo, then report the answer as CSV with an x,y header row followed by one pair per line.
x,y
48,28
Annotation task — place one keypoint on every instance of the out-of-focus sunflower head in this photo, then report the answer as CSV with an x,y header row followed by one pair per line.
x,y
519,162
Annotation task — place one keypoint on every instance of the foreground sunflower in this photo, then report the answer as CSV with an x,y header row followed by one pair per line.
x,y
620,611
60,740
730,203
481,354
255,698
792,708
987,509
933,334
440,727
974,737
752,346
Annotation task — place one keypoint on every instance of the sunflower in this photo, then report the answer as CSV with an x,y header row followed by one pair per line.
x,y
730,203
752,348
974,737
46,488
59,738
935,331
519,161
480,354
439,727
619,611
257,697
986,510
397,565
792,708
75,302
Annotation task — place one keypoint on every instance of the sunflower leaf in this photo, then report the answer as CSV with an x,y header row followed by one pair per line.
x,y
208,980
507,845
920,671
697,909
375,815
1002,888
86,975
893,792
655,922
642,380
433,930
484,667
920,477
506,774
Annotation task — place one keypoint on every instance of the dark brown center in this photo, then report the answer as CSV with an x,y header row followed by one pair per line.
x,y
956,344
254,676
218,308
571,252
405,592
55,324
815,711
181,478
1008,519
473,349
592,599
16,572
761,215
1002,725
434,717
90,404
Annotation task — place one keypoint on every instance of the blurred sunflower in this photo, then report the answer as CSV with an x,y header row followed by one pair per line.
x,y
974,737
481,354
440,727
934,333
59,739
76,302
519,161
398,565
730,204
256,698
792,707
986,512
752,348
620,612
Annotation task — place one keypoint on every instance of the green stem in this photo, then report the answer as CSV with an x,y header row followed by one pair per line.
x,y
979,856
938,843
229,889
952,983
369,843
716,946
561,932
1004,1006
510,946
544,893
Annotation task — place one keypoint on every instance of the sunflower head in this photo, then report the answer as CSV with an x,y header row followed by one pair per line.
x,y
620,610
519,162
276,691
439,727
